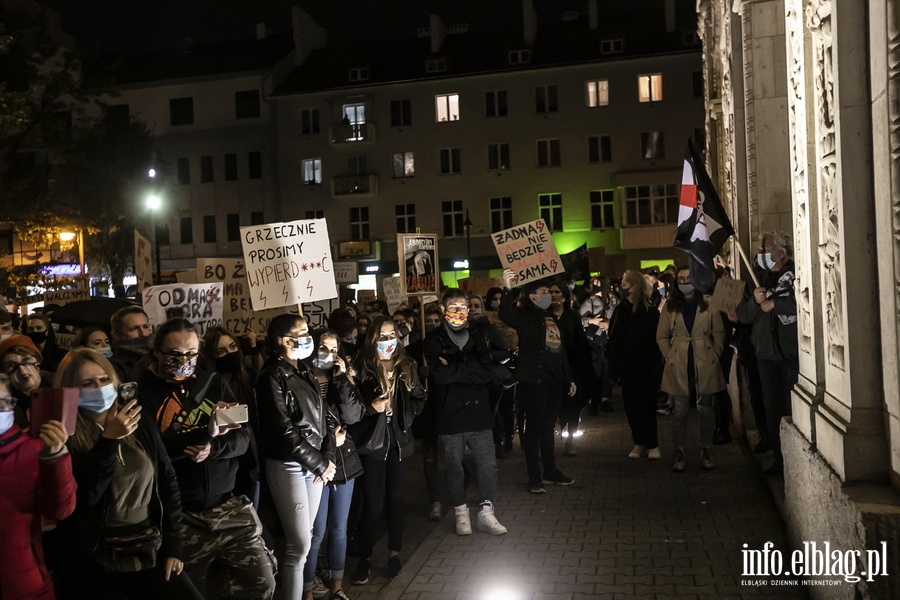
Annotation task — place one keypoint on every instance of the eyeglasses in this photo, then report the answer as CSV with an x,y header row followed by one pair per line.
x,y
12,366
7,403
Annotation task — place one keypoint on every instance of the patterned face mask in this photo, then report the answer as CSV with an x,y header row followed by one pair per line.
x,y
456,320
179,366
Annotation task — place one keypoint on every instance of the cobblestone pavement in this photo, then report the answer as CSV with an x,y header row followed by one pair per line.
x,y
626,529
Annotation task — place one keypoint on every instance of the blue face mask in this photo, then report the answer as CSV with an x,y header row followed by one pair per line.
x,y
97,400
304,347
107,352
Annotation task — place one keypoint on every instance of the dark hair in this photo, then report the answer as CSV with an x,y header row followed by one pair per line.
x,y
85,333
564,289
115,321
453,293
368,363
240,380
530,288
5,317
491,293
51,333
433,308
342,321
279,327
675,300
177,325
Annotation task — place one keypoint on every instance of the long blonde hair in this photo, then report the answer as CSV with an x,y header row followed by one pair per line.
x,y
86,432
640,289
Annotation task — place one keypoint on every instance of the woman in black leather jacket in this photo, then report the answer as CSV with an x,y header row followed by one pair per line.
x,y
392,395
296,441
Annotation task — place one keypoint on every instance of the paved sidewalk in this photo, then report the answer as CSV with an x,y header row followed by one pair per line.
x,y
626,529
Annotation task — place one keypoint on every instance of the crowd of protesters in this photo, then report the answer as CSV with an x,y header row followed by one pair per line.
x,y
158,490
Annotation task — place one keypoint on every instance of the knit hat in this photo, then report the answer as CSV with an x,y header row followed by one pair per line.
x,y
19,340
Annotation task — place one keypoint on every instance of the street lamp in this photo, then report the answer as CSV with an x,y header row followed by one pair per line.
x,y
154,203
68,236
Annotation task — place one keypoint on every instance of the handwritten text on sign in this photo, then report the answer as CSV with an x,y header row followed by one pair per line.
x,y
199,303
288,263
528,250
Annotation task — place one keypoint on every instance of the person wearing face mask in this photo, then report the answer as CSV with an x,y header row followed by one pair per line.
x,y
6,325
21,362
595,314
95,339
297,441
337,389
131,337
41,332
691,337
772,311
544,377
36,484
127,488
459,359
392,395
635,360
183,401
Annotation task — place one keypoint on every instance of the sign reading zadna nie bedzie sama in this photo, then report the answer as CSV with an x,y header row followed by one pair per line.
x,y
288,263
528,250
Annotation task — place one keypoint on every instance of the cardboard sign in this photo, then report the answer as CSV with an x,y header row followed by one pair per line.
x,y
417,255
316,313
238,315
346,272
66,341
727,295
188,276
364,297
393,294
62,297
143,261
528,250
200,303
288,263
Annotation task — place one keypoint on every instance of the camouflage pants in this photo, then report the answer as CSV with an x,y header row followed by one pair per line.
x,y
229,535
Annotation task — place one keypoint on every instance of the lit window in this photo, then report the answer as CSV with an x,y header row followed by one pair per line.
x,y
406,217
597,93
450,161
650,88
599,148
651,204
551,211
452,213
353,124
501,213
498,157
652,145
312,171
602,209
446,108
404,164
548,153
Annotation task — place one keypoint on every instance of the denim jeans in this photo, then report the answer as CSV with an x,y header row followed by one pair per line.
x,y
481,443
334,509
705,414
296,499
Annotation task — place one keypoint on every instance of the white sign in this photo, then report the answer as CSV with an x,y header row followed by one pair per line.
x,y
62,297
346,272
317,313
237,314
393,294
288,263
199,303
143,261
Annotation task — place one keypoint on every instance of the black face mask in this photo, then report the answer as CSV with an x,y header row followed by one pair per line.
x,y
230,363
348,348
38,337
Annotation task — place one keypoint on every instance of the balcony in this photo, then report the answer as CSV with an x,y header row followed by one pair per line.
x,y
354,185
346,134
647,236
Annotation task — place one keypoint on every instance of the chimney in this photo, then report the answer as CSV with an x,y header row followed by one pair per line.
x,y
670,16
438,33
529,22
593,15
308,35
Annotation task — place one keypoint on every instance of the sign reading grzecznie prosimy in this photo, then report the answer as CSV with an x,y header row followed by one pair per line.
x,y
288,263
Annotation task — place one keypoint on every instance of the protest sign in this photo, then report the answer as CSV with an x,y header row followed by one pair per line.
x,y
392,292
528,250
143,261
188,276
364,297
288,263
238,315
199,303
66,341
316,313
727,294
346,272
63,297
417,255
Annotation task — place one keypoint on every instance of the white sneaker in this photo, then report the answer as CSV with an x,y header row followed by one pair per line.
x,y
637,452
463,526
319,590
488,522
435,514
654,454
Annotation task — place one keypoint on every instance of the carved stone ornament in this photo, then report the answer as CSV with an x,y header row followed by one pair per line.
x,y
893,27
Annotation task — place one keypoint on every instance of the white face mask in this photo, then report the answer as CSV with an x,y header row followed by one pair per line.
x,y
7,419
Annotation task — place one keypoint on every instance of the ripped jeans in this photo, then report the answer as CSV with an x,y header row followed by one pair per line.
x,y
297,501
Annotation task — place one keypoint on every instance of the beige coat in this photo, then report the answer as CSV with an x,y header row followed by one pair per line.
x,y
708,339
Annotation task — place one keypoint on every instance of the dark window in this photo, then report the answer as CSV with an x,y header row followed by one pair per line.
x,y
495,104
545,98
257,218
309,120
652,145
206,169
231,167
254,165
450,160
498,157
233,227
406,217
187,231
401,113
359,223
548,153
599,148
602,209
246,104
501,214
314,214
181,111
184,171
209,229
118,115
453,218
162,235
700,139
698,84
551,211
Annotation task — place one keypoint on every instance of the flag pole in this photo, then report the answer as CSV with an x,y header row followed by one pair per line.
x,y
747,262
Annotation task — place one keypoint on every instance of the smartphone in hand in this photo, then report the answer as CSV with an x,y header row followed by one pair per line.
x,y
53,404
233,415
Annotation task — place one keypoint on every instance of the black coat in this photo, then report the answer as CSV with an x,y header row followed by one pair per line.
x,y
632,349
293,423
534,355
344,404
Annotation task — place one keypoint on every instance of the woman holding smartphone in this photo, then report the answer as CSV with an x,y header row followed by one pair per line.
x,y
297,441
127,495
